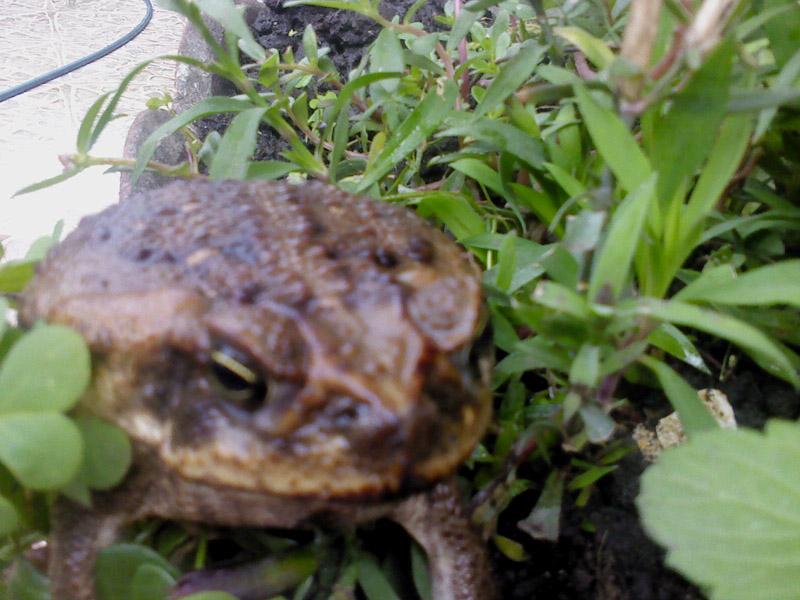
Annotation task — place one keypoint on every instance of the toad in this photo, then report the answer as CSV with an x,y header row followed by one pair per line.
x,y
280,356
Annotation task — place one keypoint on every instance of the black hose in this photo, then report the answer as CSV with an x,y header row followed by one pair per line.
x,y
82,62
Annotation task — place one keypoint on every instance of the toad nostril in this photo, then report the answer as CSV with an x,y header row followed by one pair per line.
x,y
385,258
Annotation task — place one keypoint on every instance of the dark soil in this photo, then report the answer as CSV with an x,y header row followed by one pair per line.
x,y
346,33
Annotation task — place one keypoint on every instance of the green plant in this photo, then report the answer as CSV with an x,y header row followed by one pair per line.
x,y
621,176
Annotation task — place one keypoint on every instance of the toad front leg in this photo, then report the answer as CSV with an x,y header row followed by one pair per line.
x,y
458,559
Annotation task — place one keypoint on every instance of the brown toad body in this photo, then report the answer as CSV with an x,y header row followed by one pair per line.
x,y
280,356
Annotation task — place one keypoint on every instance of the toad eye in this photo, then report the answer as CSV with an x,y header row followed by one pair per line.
x,y
236,379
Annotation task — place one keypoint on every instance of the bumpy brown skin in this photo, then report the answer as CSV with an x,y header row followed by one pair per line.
x,y
358,315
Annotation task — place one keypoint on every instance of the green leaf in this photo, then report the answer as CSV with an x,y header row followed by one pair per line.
x,y
387,57
587,478
40,185
512,75
419,125
374,582
27,583
613,261
504,137
117,567
778,283
47,370
585,366
683,137
455,212
614,142
731,524
14,275
594,48
727,153
9,517
510,548
4,306
692,412
764,350
237,146
420,573
231,17
598,425
43,450
461,26
543,523
672,340
568,182
107,454
786,80
561,299
310,45
82,143
210,106
151,582
269,169
210,596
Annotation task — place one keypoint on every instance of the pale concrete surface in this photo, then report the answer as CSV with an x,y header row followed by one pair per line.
x,y
35,128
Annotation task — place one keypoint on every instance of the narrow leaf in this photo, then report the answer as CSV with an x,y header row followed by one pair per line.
x,y
513,74
418,126
614,142
231,17
693,414
613,261
763,349
594,48
237,146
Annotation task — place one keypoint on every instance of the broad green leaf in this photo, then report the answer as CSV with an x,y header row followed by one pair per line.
x,y
210,106
27,583
512,75
763,349
506,262
672,340
374,582
727,153
107,452
613,261
47,370
783,33
585,366
14,275
310,45
561,299
386,56
614,142
43,450
9,517
599,427
418,126
543,523
594,48
231,17
419,572
117,567
683,137
778,283
692,412
151,582
480,172
731,524
504,137
237,146
534,353
455,212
